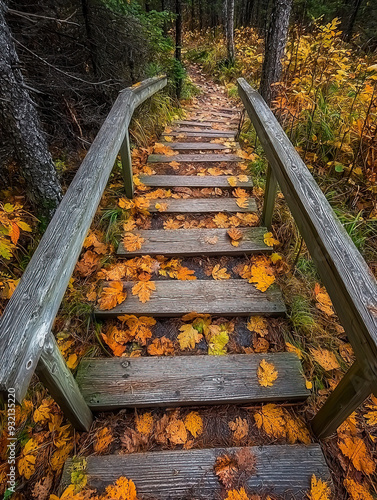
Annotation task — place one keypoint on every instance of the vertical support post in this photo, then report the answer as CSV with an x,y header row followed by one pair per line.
x,y
125,155
54,373
350,393
269,198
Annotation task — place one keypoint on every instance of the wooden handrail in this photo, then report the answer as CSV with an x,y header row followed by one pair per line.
x,y
345,274
27,320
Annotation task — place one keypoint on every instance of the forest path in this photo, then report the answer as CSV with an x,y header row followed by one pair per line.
x,y
205,260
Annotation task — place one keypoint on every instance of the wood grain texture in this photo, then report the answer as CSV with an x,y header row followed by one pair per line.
x,y
221,133
183,474
233,297
190,242
199,146
205,134
54,373
194,158
348,280
158,381
194,181
193,123
29,315
202,205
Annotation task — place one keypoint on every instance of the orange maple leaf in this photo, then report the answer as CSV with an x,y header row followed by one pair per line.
x,y
144,289
132,242
112,295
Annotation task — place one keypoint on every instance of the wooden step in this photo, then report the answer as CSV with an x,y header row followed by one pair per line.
x,y
174,298
187,474
199,146
193,181
194,158
190,242
221,133
193,123
160,381
201,205
205,134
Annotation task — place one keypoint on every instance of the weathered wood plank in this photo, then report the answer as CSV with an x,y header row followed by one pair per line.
x,y
198,146
193,123
269,198
280,470
205,134
54,373
172,298
221,133
202,205
194,158
158,381
348,280
189,242
194,181
29,315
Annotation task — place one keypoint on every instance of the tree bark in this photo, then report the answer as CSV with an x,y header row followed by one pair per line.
x,y
178,45
351,22
21,125
228,13
275,46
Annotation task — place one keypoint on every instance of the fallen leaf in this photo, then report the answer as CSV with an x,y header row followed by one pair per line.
x,y
225,469
242,202
144,289
185,274
354,448
325,358
324,303
319,490
112,295
356,490
235,234
102,440
176,431
266,374
220,273
217,341
132,242
161,207
237,495
161,347
291,348
124,489
240,428
189,337
278,423
211,240
232,181
26,462
261,278
258,325
221,220
144,423
194,423
269,240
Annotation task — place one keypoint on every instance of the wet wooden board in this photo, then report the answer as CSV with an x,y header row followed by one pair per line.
x,y
202,146
193,158
201,205
158,381
193,123
205,134
181,474
195,181
189,242
172,298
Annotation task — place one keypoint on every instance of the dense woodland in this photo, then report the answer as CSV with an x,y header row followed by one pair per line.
x,y
62,66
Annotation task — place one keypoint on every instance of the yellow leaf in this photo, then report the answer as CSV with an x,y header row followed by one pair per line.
x,y
162,149
240,428
144,423
132,242
243,178
124,489
261,278
291,348
325,358
43,413
237,495
112,295
275,257
319,490
72,361
235,234
278,423
217,340
129,225
220,273
354,448
161,347
242,202
266,374
308,385
102,440
161,207
144,289
194,423
257,324
185,274
26,462
324,303
175,165
356,490
270,240
125,203
189,337
221,220
232,181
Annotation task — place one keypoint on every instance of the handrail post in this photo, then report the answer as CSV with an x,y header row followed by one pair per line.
x,y
269,197
125,155
351,392
54,373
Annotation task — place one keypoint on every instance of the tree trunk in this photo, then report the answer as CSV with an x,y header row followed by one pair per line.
x,y
89,34
178,44
21,124
351,22
274,50
228,15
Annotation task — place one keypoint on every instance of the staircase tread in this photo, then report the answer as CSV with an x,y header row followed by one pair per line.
x,y
205,134
178,474
201,181
159,381
172,298
194,158
202,205
201,146
186,242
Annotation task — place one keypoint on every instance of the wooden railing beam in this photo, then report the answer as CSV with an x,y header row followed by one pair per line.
x,y
350,393
54,373
127,173
269,198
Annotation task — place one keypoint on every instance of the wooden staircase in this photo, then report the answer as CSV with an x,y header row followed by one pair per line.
x,y
145,382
